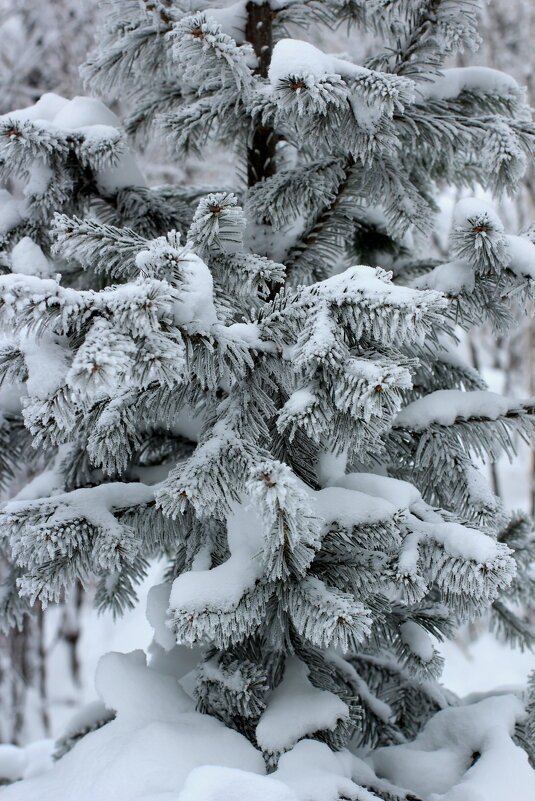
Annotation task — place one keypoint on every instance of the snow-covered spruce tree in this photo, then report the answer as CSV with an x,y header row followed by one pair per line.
x,y
295,434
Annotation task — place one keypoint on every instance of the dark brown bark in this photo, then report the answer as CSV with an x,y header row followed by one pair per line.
x,y
261,152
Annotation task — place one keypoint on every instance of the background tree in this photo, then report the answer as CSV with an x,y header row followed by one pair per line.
x,y
55,36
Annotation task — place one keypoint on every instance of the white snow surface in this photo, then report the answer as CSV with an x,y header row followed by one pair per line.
x,y
222,587
195,301
482,664
210,783
299,401
43,485
401,494
157,606
469,208
376,285
417,640
93,119
315,773
94,504
445,406
28,258
521,254
148,751
46,108
158,749
296,57
472,79
437,765
86,716
464,542
82,112
309,772
47,362
351,507
232,18
18,762
118,675
11,211
295,709
452,277
88,113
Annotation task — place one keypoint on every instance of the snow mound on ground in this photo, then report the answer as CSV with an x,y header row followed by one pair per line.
x,y
464,754
18,762
315,773
138,694
159,749
210,783
148,751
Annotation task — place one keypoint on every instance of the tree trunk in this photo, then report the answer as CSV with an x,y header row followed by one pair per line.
x,y
261,151
23,682
70,631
